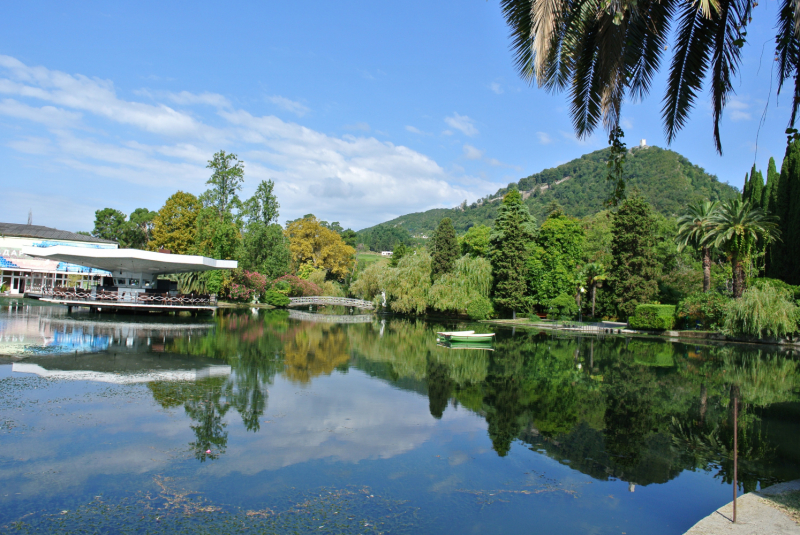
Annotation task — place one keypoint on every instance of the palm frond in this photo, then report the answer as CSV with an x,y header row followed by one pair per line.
x,y
648,29
730,17
546,18
688,68
518,16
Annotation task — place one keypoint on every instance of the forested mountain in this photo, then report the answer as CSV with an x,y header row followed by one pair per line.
x,y
667,180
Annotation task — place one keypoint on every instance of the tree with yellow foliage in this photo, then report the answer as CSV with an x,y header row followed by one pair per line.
x,y
174,226
311,242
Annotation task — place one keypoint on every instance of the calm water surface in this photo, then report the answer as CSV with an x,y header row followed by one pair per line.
x,y
259,421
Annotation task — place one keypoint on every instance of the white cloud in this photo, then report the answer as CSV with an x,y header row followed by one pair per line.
x,y
494,86
289,105
414,130
364,127
544,138
739,109
208,99
49,116
92,95
471,153
462,123
148,150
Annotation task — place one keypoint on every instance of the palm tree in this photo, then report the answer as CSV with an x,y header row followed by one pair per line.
x,y
595,275
694,228
737,228
606,51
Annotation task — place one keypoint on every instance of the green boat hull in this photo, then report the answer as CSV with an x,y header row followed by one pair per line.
x,y
471,339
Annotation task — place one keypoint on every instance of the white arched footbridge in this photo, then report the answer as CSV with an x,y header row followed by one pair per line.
x,y
326,300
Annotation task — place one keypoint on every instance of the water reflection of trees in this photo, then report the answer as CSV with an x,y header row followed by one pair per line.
x,y
638,410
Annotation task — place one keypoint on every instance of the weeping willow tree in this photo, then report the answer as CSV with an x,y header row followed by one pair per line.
x,y
761,312
407,285
468,284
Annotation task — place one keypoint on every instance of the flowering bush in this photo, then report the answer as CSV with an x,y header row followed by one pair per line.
x,y
255,281
297,286
241,293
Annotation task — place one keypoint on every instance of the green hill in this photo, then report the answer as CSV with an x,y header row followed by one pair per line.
x,y
665,178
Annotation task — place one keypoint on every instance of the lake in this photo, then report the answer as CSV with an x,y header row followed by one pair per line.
x,y
279,422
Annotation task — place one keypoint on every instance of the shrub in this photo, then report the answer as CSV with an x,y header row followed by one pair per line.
x,y
298,287
761,312
282,287
274,298
656,317
703,310
777,283
562,307
255,281
241,293
480,308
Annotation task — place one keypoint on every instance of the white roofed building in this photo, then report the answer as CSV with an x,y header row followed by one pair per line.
x,y
20,272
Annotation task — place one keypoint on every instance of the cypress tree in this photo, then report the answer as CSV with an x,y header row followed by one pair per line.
x,y
786,253
445,249
768,198
510,240
755,190
633,266
770,204
746,187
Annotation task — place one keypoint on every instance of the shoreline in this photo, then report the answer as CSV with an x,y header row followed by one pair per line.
x,y
757,512
621,329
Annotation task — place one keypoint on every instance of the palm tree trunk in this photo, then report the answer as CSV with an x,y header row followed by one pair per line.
x,y
706,269
738,278
703,403
594,287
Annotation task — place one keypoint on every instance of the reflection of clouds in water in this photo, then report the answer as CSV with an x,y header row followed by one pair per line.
x,y
351,418
345,418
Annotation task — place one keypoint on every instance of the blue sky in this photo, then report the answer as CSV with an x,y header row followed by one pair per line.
x,y
360,111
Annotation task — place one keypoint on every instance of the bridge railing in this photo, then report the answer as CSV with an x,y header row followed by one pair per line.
x,y
329,318
327,300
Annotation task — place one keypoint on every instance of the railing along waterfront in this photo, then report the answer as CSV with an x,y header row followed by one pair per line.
x,y
326,300
125,296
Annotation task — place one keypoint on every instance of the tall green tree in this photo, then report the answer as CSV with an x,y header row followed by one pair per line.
x,y
513,233
753,190
695,230
475,242
226,180
603,53
263,206
264,247
769,198
141,222
785,254
553,262
399,251
633,270
218,223
595,274
444,250
110,224
737,230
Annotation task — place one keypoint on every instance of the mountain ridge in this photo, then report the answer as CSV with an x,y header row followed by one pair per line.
x,y
666,179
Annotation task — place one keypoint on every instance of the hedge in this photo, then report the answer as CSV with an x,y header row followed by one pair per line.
x,y
657,317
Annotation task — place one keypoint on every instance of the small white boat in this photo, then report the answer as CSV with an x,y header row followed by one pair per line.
x,y
466,336
456,333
